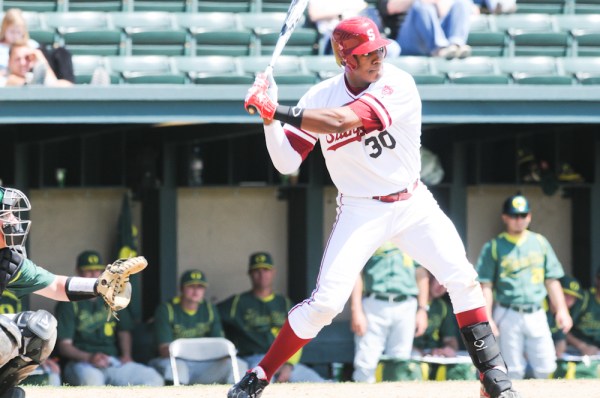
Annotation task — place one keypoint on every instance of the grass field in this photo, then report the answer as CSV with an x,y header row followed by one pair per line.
x,y
449,389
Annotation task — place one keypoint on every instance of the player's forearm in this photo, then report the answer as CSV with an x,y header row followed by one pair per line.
x,y
422,276
330,120
125,343
356,295
556,295
69,351
285,158
56,290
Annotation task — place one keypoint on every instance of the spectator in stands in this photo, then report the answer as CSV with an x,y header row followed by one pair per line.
x,y
28,66
326,15
440,339
189,315
436,28
96,346
252,320
14,31
388,308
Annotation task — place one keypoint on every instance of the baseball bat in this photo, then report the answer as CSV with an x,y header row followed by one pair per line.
x,y
294,15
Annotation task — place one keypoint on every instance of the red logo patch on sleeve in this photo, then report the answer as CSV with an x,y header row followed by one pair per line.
x,y
386,90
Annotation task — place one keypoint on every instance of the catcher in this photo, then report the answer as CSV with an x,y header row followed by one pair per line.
x,y
27,338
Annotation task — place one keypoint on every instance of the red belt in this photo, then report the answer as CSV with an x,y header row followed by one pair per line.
x,y
397,196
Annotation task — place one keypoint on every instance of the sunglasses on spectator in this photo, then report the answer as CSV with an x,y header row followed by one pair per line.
x,y
523,215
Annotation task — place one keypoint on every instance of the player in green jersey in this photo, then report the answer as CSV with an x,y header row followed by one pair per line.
x,y
517,270
96,346
585,334
440,340
190,315
252,320
389,308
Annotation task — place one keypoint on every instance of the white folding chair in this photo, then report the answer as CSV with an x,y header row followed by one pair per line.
x,y
202,349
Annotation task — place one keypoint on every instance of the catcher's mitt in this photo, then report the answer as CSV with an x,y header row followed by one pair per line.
x,y
113,285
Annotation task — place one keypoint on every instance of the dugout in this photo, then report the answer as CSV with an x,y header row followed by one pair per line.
x,y
140,139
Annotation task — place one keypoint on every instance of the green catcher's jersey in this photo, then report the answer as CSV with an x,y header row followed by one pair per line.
x,y
85,323
29,279
9,303
441,324
172,322
586,318
252,323
517,269
390,270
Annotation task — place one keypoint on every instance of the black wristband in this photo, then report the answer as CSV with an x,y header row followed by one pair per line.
x,y
78,288
290,115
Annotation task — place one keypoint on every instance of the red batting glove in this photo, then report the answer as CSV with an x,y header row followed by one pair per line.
x,y
258,99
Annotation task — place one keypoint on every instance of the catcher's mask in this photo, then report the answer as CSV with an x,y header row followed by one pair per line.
x,y
12,203
355,36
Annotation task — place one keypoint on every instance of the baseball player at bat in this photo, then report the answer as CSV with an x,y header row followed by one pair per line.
x,y
368,123
27,338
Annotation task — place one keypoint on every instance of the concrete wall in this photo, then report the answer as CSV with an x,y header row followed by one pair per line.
x,y
220,227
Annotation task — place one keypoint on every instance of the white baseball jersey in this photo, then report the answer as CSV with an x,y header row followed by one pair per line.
x,y
364,162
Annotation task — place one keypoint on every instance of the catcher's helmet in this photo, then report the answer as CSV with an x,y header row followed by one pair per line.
x,y
12,203
356,35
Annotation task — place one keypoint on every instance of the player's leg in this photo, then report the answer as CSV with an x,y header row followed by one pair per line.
x,y
37,334
163,367
539,345
369,347
512,340
133,373
83,374
361,226
428,235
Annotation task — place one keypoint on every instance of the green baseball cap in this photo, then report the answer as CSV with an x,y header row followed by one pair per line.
x,y
571,286
260,260
90,260
516,204
193,277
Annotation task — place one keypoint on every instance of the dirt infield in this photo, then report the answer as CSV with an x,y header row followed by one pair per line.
x,y
449,389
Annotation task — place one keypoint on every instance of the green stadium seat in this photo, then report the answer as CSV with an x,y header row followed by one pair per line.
x,y
534,70
38,30
34,5
207,20
223,42
145,70
587,6
275,6
484,39
585,69
152,33
87,32
85,65
585,30
98,5
542,6
287,70
533,34
162,5
420,68
213,70
226,5
324,66
472,70
267,26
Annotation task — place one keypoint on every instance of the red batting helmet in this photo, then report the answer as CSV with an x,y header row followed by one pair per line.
x,y
356,35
